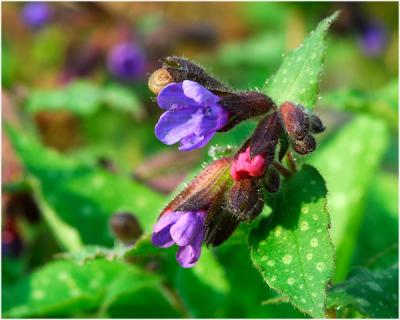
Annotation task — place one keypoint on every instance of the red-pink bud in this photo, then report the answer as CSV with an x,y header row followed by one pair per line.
x,y
245,167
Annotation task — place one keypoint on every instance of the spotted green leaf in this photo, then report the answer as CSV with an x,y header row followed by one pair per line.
x,y
62,288
292,248
374,294
297,79
81,198
348,161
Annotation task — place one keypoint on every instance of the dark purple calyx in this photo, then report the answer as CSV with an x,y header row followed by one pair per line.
x,y
299,126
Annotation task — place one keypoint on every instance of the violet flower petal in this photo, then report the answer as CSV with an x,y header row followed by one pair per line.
x,y
215,117
193,115
161,236
185,230
172,95
194,141
198,93
187,256
178,123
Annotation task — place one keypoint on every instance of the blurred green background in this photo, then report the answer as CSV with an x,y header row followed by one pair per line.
x,y
79,147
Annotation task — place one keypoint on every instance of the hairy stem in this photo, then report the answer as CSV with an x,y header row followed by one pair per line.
x,y
282,170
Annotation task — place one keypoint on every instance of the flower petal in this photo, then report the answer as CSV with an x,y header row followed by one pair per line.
x,y
178,123
161,236
194,141
188,226
173,95
215,117
187,256
198,93
167,219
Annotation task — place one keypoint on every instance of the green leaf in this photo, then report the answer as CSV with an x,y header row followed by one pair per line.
x,y
121,98
374,294
83,197
66,235
244,63
348,162
381,213
83,98
80,97
381,103
297,79
247,289
91,252
292,248
144,247
63,288
206,279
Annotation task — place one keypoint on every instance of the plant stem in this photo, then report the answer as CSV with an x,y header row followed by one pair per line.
x,y
282,170
291,162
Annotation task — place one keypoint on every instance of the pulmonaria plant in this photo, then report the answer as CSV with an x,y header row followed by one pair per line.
x,y
229,190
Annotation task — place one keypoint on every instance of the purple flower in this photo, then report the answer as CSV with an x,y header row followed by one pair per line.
x,y
193,115
184,228
36,14
374,39
126,61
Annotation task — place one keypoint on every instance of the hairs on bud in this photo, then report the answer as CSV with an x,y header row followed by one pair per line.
x,y
245,201
183,69
266,136
307,145
295,120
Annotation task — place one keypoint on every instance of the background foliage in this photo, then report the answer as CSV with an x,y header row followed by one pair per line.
x,y
78,147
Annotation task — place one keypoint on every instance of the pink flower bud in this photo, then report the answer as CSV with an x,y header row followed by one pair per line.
x,y
245,166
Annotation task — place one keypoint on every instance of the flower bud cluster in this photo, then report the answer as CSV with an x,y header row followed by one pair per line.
x,y
299,126
208,210
229,190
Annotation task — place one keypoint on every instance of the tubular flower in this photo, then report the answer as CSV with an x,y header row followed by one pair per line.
x,y
207,211
184,228
239,105
193,115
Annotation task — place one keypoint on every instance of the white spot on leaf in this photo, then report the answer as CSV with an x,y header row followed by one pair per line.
x,y
304,226
287,259
314,242
320,266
